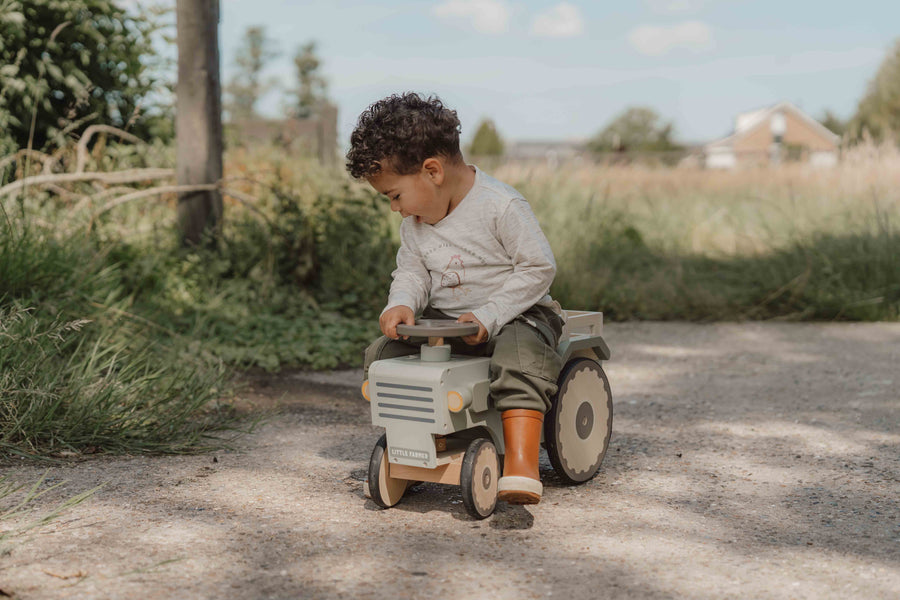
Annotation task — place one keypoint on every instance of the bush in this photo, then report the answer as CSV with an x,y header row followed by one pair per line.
x,y
356,252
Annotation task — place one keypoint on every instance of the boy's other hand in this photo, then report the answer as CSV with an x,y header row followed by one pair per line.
x,y
396,316
475,338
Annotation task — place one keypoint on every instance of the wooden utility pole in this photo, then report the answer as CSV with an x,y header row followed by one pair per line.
x,y
198,120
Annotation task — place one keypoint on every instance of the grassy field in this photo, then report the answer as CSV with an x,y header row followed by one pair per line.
x,y
790,243
114,338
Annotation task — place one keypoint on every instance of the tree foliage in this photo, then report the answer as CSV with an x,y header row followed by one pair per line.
x,y
487,141
833,123
247,85
878,112
311,90
64,65
637,129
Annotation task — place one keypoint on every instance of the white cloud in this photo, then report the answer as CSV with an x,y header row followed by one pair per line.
x,y
656,40
486,16
563,20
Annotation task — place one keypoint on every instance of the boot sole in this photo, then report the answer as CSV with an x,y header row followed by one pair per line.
x,y
518,497
519,490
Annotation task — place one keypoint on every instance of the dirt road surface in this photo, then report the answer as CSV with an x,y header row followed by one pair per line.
x,y
747,461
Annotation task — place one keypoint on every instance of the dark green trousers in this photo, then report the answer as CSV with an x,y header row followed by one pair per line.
x,y
524,361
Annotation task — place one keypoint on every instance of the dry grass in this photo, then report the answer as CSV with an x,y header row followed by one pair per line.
x,y
718,213
792,242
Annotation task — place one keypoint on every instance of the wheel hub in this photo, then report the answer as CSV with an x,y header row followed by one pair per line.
x,y
486,478
584,420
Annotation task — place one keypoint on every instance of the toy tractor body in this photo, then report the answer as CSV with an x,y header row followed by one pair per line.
x,y
441,425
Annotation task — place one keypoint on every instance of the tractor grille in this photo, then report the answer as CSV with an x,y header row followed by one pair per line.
x,y
404,402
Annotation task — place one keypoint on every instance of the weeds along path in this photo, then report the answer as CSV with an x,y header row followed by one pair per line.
x,y
748,460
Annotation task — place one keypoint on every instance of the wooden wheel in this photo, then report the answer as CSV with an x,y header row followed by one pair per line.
x,y
384,490
578,426
478,478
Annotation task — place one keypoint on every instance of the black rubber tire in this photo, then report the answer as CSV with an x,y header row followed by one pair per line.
x,y
478,478
384,492
576,418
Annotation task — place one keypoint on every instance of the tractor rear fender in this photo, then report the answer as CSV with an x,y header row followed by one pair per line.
x,y
577,344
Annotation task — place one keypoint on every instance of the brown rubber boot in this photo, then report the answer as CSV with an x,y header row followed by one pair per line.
x,y
521,481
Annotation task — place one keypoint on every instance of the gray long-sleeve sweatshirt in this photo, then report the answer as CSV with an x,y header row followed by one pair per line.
x,y
488,256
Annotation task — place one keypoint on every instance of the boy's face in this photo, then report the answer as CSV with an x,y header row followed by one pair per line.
x,y
417,195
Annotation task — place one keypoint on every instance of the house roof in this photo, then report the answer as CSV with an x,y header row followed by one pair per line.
x,y
748,122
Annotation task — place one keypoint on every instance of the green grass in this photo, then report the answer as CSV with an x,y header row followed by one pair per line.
x,y
78,371
851,277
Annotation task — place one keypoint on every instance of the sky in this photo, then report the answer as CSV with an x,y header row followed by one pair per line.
x,y
546,70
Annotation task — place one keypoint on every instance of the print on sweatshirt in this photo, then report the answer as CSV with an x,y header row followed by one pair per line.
x,y
454,276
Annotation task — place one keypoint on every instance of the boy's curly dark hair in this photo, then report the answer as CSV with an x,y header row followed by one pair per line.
x,y
400,132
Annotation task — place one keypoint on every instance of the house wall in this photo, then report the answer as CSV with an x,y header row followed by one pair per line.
x,y
724,159
823,158
316,136
756,141
801,133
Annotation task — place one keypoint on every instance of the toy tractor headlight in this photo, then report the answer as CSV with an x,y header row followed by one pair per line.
x,y
458,401
365,390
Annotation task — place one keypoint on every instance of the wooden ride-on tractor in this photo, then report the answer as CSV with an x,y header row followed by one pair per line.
x,y
441,425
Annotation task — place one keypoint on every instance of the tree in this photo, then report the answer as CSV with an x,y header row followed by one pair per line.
x,y
878,113
487,141
64,64
247,86
637,129
311,88
199,118
833,123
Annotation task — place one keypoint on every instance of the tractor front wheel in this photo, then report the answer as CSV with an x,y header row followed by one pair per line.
x,y
384,490
478,478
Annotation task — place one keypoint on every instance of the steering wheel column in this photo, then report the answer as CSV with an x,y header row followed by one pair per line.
x,y
436,330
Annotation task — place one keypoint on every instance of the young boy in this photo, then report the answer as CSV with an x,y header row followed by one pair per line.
x,y
471,249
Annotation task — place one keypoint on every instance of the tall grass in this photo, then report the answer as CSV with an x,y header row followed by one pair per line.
x,y
78,371
793,242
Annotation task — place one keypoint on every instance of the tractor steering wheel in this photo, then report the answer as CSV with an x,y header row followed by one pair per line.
x,y
438,328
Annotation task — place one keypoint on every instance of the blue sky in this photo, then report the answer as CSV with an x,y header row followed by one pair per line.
x,y
561,70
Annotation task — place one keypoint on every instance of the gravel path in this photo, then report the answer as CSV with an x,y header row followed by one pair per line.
x,y
747,461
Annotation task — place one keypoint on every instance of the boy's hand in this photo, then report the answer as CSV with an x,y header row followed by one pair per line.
x,y
396,316
476,338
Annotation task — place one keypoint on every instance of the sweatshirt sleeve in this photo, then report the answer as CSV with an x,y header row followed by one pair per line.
x,y
533,267
411,280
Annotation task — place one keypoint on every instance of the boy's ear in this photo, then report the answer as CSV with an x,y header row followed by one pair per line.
x,y
434,170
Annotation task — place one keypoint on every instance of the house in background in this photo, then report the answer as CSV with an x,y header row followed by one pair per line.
x,y
315,136
774,134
